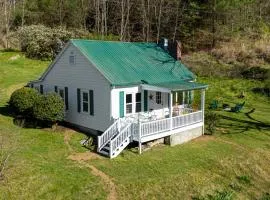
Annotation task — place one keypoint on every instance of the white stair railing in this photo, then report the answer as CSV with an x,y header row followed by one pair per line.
x,y
120,141
108,134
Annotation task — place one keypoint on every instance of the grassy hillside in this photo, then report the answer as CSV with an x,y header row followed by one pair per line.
x,y
232,164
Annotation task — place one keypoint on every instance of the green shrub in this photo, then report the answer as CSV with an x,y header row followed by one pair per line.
x,y
244,179
22,100
211,121
256,73
49,108
218,195
265,196
41,42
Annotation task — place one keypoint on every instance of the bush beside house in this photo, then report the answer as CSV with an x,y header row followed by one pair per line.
x,y
22,100
28,104
49,108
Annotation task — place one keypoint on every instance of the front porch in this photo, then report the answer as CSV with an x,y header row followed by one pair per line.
x,y
176,113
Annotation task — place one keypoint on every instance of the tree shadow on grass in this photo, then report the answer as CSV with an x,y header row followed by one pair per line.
x,y
6,111
241,125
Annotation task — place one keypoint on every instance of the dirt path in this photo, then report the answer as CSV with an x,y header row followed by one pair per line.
x,y
82,158
232,143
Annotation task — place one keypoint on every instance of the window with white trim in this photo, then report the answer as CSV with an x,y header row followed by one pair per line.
x,y
61,93
158,98
72,58
133,103
128,103
85,101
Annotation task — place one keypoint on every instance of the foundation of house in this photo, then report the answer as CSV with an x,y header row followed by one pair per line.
x,y
184,136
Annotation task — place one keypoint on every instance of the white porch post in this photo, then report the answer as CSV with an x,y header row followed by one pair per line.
x,y
183,100
202,106
140,136
171,110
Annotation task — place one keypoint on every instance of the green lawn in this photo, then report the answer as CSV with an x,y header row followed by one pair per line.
x,y
232,164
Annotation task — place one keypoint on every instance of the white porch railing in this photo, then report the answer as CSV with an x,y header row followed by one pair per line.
x,y
162,125
156,126
186,119
118,141
108,134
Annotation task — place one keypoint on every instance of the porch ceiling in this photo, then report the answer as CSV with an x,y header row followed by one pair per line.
x,y
179,86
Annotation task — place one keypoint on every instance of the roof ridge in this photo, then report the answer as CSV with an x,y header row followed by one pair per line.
x,y
111,41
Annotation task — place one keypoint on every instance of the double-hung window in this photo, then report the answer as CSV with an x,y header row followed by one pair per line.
x,y
61,93
128,103
158,98
133,103
85,101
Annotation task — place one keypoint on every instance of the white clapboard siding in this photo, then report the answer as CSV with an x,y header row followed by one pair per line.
x,y
85,76
115,110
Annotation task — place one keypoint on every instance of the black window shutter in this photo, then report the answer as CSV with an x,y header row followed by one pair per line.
x,y
56,89
169,100
41,89
91,96
66,97
145,100
79,99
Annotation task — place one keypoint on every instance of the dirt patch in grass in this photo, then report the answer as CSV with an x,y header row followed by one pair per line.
x,y
85,156
233,144
67,136
205,138
81,158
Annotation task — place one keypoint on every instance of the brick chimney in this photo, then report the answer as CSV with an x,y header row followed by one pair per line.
x,y
172,47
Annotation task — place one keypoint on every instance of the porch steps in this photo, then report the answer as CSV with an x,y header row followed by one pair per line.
x,y
119,139
105,150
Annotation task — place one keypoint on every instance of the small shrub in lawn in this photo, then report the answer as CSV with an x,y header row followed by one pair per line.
x,y
256,73
265,196
22,100
211,121
218,195
49,108
244,179
224,195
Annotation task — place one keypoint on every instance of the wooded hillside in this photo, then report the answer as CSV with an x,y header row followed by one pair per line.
x,y
199,24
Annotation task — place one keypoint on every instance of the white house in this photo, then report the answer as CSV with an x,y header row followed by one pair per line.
x,y
125,92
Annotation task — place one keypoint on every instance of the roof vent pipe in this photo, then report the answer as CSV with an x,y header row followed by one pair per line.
x,y
164,44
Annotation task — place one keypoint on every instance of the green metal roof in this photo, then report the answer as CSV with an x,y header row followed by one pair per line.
x,y
182,86
127,63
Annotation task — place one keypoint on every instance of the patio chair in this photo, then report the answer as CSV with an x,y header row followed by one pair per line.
x,y
213,105
238,107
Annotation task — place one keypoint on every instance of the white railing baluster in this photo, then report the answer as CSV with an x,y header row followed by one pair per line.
x,y
108,134
120,138
162,125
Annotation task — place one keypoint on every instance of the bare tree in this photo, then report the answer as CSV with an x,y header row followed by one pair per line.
x,y
23,12
7,8
125,12
97,16
103,18
158,17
